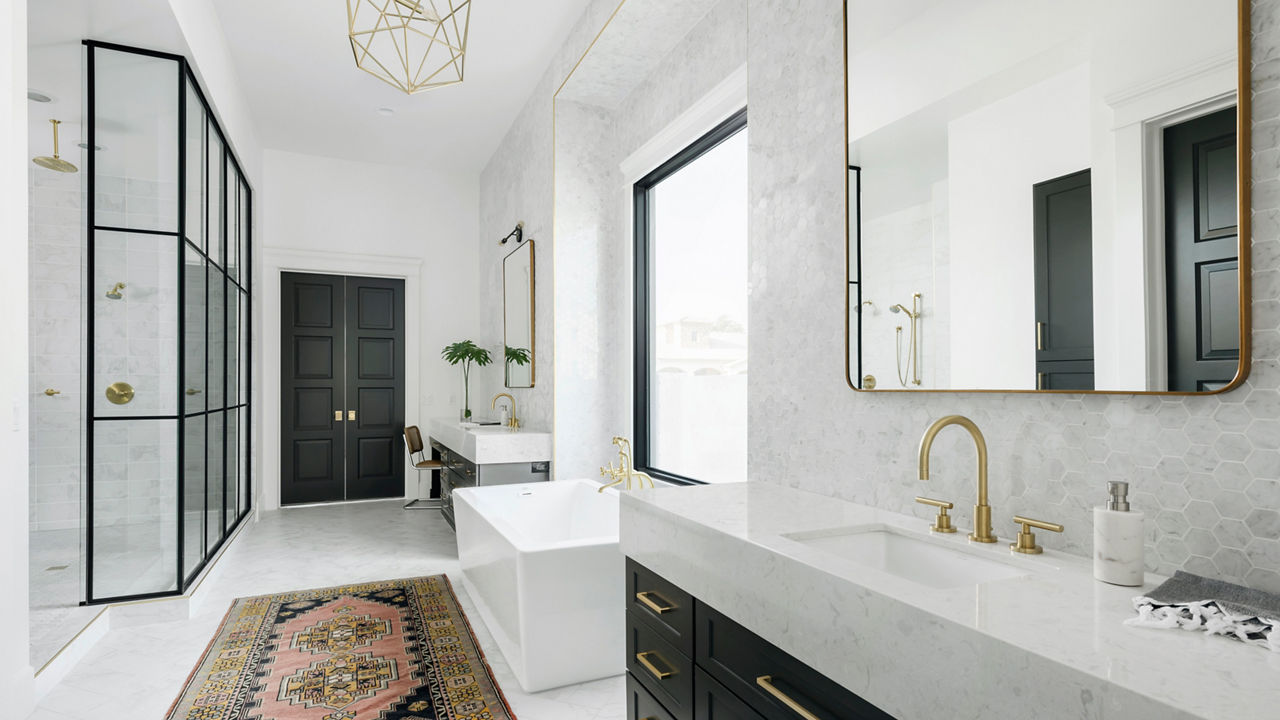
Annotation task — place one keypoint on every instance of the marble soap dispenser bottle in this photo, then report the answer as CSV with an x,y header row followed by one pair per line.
x,y
1117,539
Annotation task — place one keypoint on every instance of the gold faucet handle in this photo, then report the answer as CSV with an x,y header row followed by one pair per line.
x,y
942,523
1026,543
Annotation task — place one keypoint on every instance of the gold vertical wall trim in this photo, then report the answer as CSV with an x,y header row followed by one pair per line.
x,y
1244,247
555,276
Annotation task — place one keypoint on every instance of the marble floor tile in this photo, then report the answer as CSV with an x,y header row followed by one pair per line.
x,y
137,672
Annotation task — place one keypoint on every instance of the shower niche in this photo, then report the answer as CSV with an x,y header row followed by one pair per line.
x,y
168,343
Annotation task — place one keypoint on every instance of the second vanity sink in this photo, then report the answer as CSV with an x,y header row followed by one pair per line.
x,y
913,559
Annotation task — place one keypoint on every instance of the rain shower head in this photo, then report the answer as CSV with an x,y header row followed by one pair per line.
x,y
55,163
114,293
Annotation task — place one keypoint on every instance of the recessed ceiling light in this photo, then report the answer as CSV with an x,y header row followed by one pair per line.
x,y
386,111
37,96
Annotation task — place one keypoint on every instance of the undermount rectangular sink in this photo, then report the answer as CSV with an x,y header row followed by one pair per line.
x,y
913,559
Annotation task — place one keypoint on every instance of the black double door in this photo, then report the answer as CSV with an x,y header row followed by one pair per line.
x,y
342,388
1202,262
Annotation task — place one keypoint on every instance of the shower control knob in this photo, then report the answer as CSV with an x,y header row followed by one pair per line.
x,y
51,392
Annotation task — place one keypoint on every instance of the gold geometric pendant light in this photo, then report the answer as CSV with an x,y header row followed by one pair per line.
x,y
413,45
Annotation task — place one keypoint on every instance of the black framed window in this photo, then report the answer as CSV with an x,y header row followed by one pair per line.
x,y
691,311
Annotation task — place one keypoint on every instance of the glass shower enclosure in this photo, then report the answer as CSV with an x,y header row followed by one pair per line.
x,y
167,423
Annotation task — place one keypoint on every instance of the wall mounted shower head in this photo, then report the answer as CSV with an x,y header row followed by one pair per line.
x,y
899,308
114,293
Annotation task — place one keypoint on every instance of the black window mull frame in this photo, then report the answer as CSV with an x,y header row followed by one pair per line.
x,y
644,290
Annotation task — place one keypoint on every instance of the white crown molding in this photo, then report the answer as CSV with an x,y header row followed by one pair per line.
x,y
725,99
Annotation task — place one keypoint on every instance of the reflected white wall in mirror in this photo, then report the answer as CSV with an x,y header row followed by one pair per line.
x,y
1058,182
517,303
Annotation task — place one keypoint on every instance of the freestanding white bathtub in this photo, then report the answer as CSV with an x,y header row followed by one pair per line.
x,y
542,563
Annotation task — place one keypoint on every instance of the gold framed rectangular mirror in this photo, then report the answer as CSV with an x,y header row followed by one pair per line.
x,y
517,317
1048,196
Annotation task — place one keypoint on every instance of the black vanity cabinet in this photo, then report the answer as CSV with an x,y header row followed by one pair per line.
x,y
687,661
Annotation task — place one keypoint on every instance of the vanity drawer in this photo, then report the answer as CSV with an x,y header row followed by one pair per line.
x,y
739,659
713,701
641,705
665,607
662,669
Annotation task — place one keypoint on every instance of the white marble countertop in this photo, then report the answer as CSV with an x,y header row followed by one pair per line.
x,y
491,444
1048,644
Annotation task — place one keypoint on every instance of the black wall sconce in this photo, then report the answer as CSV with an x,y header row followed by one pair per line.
x,y
518,234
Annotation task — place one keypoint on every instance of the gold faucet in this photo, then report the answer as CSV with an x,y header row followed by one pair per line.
x,y
512,421
981,511
625,471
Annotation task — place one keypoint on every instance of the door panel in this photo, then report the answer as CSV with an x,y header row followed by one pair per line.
x,y
375,387
1202,252
1063,228
345,338
311,439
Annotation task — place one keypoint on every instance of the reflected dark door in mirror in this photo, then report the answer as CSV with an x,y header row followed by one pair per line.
x,y
375,388
1202,264
342,343
1063,221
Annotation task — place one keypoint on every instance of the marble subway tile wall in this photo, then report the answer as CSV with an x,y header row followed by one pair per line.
x,y
135,341
1205,470
56,330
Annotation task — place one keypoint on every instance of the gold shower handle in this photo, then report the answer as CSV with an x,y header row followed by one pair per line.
x,y
51,392
192,391
119,393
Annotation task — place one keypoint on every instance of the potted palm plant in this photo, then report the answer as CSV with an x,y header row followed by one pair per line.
x,y
466,353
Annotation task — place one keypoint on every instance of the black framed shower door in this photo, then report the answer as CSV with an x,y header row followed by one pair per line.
x,y
168,352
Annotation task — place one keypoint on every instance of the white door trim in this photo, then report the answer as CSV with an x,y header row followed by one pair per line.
x,y
279,260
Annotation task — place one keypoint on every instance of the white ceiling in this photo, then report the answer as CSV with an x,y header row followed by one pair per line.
x,y
295,66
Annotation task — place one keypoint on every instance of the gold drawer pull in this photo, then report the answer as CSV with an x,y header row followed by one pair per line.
x,y
645,598
766,682
653,669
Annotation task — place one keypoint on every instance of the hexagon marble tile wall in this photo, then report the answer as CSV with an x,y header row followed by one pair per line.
x,y
1205,470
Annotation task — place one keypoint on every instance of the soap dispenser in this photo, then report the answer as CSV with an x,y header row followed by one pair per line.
x,y
1118,539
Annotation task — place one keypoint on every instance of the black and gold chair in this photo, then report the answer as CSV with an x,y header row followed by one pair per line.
x,y
420,462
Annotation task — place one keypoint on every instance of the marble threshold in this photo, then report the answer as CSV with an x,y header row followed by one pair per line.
x,y
1049,643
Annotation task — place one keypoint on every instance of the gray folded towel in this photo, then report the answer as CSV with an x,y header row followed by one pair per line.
x,y
1191,602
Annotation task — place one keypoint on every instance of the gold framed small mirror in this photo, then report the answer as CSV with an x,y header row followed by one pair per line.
x,y
1048,196
518,313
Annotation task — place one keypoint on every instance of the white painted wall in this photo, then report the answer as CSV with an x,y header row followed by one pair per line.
x,y
995,155
342,217
15,670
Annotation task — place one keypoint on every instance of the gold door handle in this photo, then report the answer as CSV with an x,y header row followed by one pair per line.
x,y
942,523
643,659
1040,381
1039,336
351,415
766,682
646,598
192,391
1026,543
51,392
337,416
